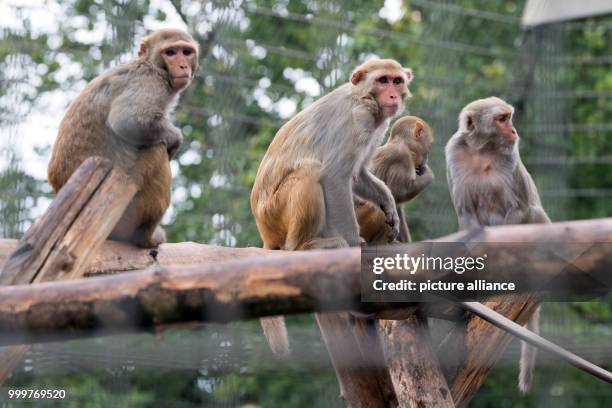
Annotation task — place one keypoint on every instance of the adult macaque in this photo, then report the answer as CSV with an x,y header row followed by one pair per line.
x,y
123,115
303,193
402,164
489,185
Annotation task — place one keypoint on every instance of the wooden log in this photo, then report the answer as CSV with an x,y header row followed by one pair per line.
x,y
115,257
62,242
415,371
222,291
357,359
411,361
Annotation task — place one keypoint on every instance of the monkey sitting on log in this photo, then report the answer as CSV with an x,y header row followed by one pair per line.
x,y
302,197
402,164
489,185
123,115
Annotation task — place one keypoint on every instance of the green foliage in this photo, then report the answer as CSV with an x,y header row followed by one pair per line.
x,y
255,56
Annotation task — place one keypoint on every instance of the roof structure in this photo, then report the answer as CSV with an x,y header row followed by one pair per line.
x,y
539,12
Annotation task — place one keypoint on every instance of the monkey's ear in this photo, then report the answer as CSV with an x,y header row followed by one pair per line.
x,y
357,75
417,131
466,122
142,50
409,75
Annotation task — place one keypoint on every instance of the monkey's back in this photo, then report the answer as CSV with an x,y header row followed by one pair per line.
x,y
83,131
292,146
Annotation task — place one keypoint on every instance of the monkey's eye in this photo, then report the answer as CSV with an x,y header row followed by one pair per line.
x,y
169,52
383,80
503,118
397,80
187,51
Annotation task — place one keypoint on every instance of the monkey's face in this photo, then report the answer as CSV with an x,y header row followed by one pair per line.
x,y
386,81
180,60
390,90
504,127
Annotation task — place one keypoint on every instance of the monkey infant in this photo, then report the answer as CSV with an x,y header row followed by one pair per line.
x,y
402,164
123,115
489,184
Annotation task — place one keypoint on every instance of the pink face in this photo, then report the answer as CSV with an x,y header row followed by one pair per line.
x,y
390,89
503,124
180,58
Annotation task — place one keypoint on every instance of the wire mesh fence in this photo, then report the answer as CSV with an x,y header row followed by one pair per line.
x,y
262,61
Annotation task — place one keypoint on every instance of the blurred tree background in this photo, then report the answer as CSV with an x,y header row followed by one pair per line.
x,y
262,61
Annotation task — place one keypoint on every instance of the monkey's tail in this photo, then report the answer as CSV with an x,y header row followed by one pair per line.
x,y
528,355
275,330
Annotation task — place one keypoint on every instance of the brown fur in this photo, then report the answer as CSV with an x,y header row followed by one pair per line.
x,y
122,115
302,195
396,163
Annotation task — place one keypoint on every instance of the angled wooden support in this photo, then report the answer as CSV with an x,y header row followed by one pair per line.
x,y
358,360
534,339
472,349
61,243
413,365
85,211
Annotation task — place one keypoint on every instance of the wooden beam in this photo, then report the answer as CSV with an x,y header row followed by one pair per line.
x,y
115,257
224,291
61,243
358,360
39,246
472,349
415,371
541,343
220,291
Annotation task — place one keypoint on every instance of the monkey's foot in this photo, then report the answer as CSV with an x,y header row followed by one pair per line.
x,y
145,239
325,243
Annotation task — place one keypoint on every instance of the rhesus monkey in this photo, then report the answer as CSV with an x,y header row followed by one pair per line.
x,y
303,192
489,185
123,115
402,164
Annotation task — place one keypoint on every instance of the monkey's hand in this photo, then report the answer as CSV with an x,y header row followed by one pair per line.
x,y
412,174
373,189
172,139
392,219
